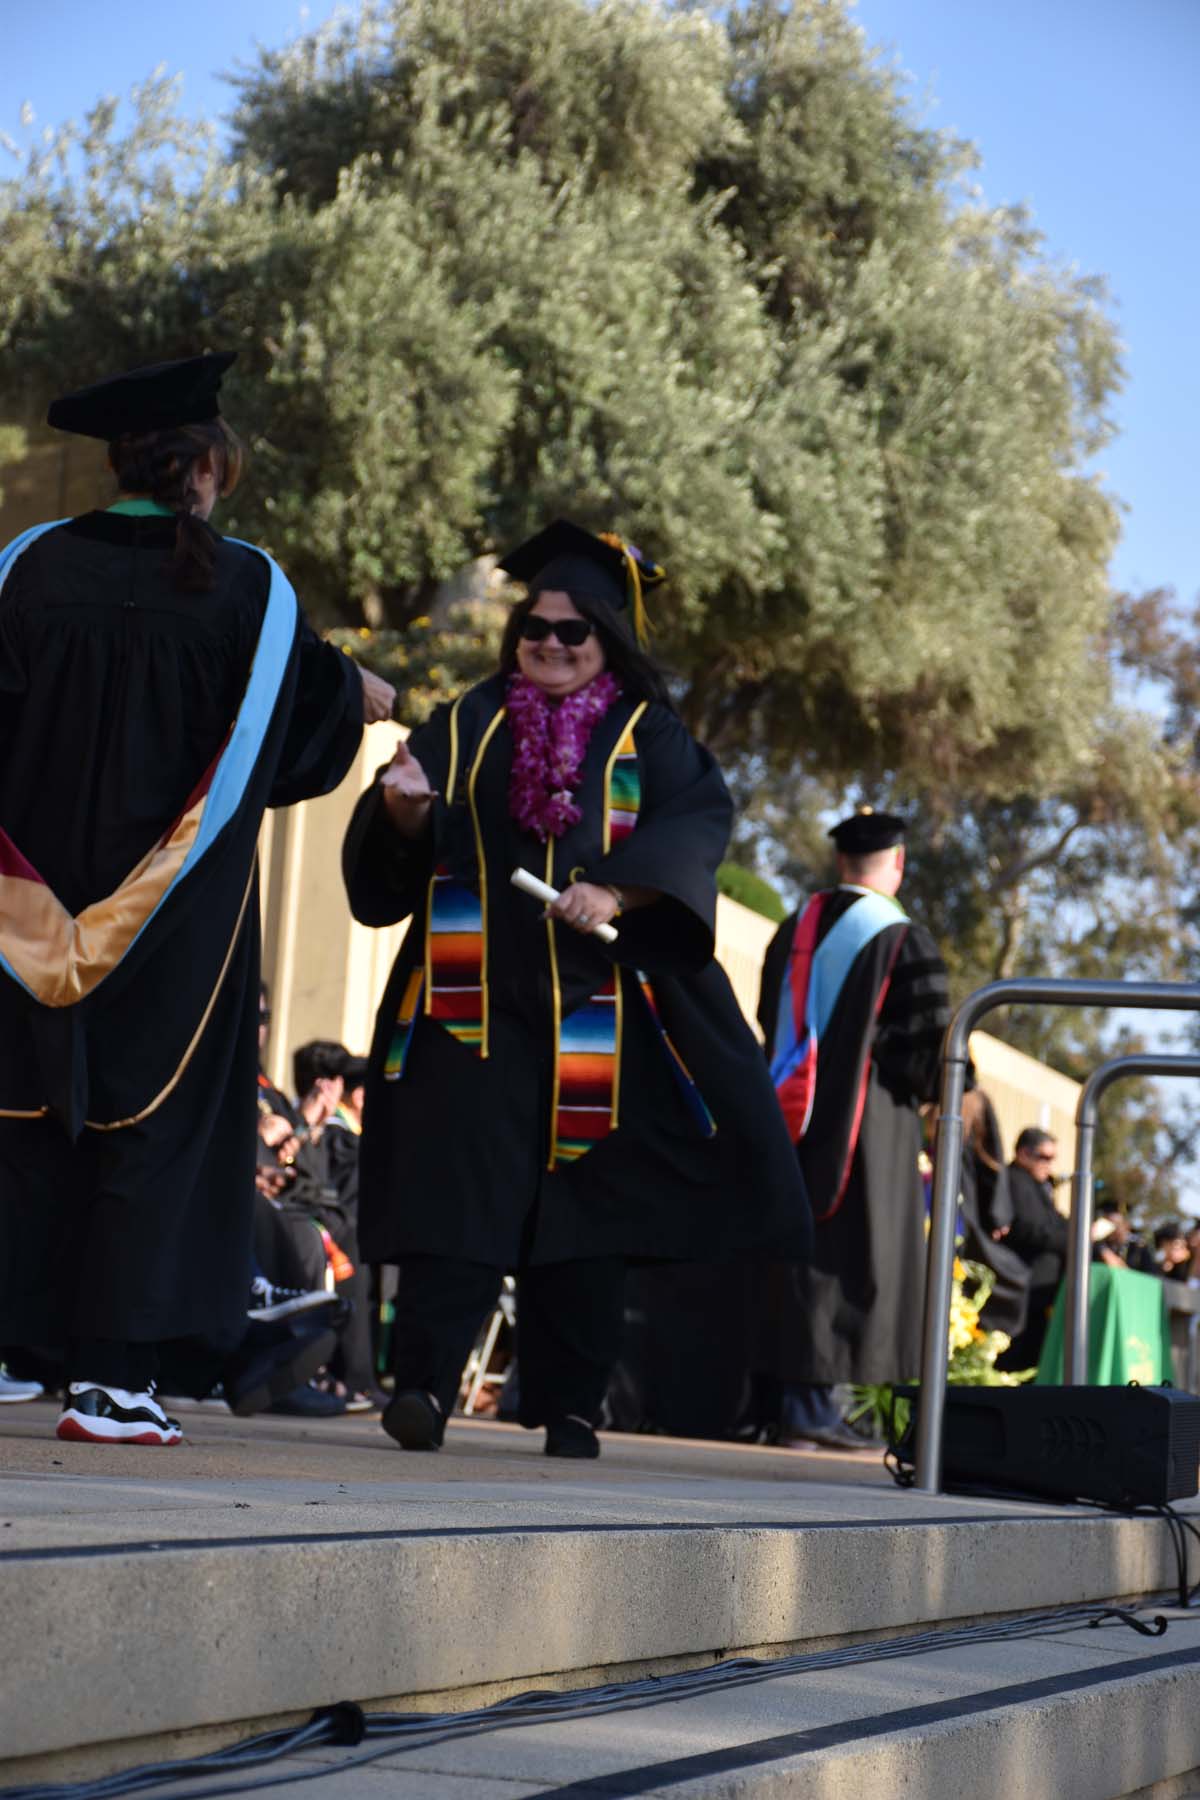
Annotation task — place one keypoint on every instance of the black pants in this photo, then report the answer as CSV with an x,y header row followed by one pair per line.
x,y
1026,1347
569,1319
289,1252
287,1246
190,1366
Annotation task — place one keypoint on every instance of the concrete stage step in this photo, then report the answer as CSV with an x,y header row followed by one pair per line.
x,y
164,1601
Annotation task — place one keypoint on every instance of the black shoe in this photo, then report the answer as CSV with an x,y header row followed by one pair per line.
x,y
572,1437
309,1402
272,1362
415,1420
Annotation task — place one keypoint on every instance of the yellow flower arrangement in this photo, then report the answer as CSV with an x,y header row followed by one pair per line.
x,y
973,1352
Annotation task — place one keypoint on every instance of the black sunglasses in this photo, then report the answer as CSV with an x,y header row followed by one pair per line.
x,y
569,632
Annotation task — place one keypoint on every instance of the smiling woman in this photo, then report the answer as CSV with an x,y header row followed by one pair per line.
x,y
539,1101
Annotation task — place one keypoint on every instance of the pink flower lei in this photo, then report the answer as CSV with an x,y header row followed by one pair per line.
x,y
550,741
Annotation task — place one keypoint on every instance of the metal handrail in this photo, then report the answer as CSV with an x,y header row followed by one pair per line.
x,y
1079,1243
1165,996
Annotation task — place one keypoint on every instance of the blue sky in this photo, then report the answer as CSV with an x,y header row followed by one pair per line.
x,y
1083,109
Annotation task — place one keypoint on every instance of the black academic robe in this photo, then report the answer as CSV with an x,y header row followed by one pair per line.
x,y
455,1153
853,1312
986,1206
117,693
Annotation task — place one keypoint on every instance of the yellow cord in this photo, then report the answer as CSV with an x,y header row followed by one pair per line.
x,y
633,582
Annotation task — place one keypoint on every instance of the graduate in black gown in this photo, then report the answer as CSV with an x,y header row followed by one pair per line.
x,y
853,1007
537,1100
159,687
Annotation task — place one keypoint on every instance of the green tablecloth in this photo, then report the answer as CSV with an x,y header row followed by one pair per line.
x,y
1129,1336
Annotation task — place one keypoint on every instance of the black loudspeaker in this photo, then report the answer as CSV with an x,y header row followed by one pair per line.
x,y
1125,1446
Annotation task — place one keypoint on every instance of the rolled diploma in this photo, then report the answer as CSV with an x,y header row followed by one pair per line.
x,y
529,884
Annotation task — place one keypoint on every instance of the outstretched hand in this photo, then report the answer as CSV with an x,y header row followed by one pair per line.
x,y
406,792
378,697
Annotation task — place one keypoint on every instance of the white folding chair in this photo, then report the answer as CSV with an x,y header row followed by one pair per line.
x,y
478,1373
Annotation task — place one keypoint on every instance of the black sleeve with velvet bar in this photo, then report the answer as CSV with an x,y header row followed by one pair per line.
x,y
682,832
386,875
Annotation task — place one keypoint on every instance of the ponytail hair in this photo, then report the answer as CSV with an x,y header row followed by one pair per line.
x,y
162,464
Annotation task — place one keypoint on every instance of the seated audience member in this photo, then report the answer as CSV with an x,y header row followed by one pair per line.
x,y
290,1249
344,1130
1114,1243
1172,1252
1193,1244
329,1081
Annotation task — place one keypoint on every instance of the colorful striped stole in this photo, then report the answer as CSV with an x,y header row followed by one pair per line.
x,y
623,789
402,1030
454,960
587,1049
451,982
587,1074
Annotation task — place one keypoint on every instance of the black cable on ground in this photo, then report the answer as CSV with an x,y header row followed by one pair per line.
x,y
347,1724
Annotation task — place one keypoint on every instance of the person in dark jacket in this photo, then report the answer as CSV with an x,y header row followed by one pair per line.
x,y
1038,1234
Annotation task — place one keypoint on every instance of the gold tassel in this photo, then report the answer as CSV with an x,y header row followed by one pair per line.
x,y
633,583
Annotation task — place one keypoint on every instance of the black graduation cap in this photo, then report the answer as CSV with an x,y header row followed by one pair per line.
x,y
867,831
567,557
152,398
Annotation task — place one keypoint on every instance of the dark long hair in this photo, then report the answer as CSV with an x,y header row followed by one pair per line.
x,y
162,464
639,675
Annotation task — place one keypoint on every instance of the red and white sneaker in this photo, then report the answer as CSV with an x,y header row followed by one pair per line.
x,y
93,1414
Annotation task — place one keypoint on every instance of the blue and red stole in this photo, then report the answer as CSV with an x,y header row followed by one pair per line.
x,y
816,974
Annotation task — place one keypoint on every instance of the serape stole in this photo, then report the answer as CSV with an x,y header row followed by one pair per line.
x,y
623,790
402,1030
587,1074
587,1051
451,986
452,980
454,960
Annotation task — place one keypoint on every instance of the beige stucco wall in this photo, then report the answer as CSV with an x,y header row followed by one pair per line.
x,y
326,973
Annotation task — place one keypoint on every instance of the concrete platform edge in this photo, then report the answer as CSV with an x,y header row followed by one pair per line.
x,y
275,1629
